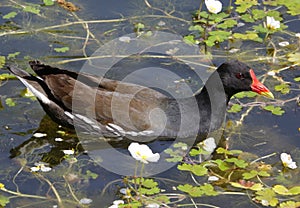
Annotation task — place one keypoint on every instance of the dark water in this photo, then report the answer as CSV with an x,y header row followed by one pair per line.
x,y
261,133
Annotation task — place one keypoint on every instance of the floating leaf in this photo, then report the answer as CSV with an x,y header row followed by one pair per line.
x,y
10,102
62,49
289,204
258,14
297,79
223,166
280,189
283,88
198,170
275,110
32,9
244,5
13,55
227,24
2,61
249,175
235,108
294,58
197,191
48,2
267,197
254,186
221,150
189,39
238,162
6,76
10,15
3,201
196,28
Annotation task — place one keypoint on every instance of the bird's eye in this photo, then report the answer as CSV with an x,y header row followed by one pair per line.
x,y
239,75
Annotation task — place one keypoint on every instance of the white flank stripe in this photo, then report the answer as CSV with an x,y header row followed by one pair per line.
x,y
34,91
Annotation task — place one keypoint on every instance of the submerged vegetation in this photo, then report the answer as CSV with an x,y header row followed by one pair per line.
x,y
252,30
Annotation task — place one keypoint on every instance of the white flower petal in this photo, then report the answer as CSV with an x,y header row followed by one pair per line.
x,y
85,201
68,152
34,169
45,168
284,43
117,202
39,135
213,6
213,178
287,161
209,144
272,23
125,39
143,153
58,139
271,73
153,205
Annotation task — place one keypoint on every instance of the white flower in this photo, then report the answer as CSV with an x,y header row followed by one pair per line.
x,y
35,169
116,203
284,43
272,23
69,152
40,166
212,178
125,39
287,161
153,205
209,144
39,135
213,6
85,201
297,35
58,139
143,153
271,73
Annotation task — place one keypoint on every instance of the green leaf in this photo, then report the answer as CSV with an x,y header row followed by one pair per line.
x,y
2,61
254,187
189,39
197,191
244,5
258,14
289,204
227,24
249,175
221,150
13,55
10,102
3,200
32,9
297,79
191,190
150,191
149,183
62,49
283,88
280,189
249,94
263,173
294,58
198,170
247,18
6,76
196,28
91,174
295,190
235,108
48,2
268,197
238,162
275,110
223,166
10,15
